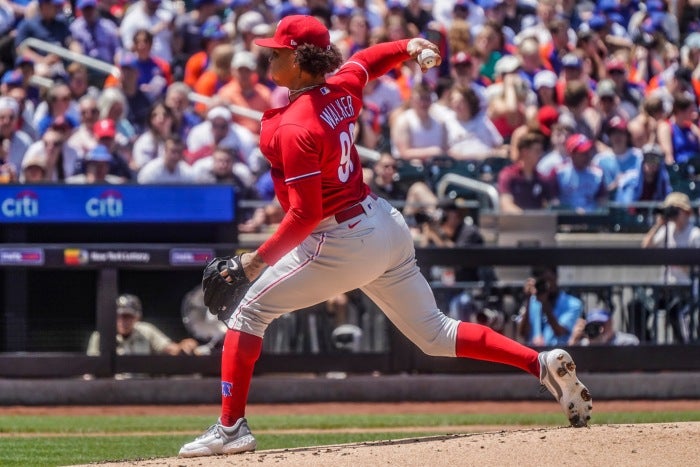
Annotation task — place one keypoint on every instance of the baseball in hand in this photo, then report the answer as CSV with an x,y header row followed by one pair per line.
x,y
427,58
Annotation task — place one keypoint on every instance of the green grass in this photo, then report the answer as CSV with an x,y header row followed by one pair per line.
x,y
64,440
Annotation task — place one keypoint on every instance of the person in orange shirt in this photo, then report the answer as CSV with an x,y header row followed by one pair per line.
x,y
216,76
245,91
212,35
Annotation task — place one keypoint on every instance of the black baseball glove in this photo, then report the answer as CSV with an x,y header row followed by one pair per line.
x,y
220,296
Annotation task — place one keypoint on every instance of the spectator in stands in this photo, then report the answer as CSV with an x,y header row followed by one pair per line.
x,y
60,161
7,25
154,73
653,183
153,16
673,229
96,168
212,34
49,26
608,108
177,100
597,328
508,97
545,84
11,85
98,36
83,140
218,168
561,130
170,167
150,145
216,76
643,127
219,131
381,98
576,102
8,171
580,185
244,90
620,165
190,31
416,135
14,142
136,337
105,133
549,314
112,104
136,99
679,136
471,135
252,24
59,106
416,197
34,168
79,85
520,186
630,95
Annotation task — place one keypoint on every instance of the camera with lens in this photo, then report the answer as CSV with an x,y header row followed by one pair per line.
x,y
593,330
541,286
669,212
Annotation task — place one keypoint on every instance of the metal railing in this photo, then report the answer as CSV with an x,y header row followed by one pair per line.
x,y
485,190
92,63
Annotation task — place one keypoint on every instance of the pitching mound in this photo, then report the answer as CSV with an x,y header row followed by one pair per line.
x,y
662,444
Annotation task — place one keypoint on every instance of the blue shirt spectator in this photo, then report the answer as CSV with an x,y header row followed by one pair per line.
x,y
47,26
580,185
550,314
98,37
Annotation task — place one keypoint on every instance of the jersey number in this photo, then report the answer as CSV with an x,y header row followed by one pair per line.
x,y
346,166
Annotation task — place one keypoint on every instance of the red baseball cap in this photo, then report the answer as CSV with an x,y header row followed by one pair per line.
x,y
104,128
547,116
295,30
617,123
578,143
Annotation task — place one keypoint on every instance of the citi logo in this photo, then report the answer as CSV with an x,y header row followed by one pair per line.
x,y
108,204
25,204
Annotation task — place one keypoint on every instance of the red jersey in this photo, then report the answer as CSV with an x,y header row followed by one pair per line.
x,y
315,167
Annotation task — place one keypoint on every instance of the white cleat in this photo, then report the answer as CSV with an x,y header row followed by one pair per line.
x,y
558,374
219,439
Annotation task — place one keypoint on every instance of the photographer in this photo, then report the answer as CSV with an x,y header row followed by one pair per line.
x,y
549,314
673,229
598,329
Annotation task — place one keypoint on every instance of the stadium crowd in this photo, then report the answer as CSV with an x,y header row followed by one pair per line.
x,y
556,103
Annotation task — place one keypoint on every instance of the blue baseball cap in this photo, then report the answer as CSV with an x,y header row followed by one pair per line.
x,y
211,29
22,60
99,153
490,4
82,4
597,316
13,78
571,60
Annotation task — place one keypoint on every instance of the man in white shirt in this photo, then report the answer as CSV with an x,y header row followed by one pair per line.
x,y
170,167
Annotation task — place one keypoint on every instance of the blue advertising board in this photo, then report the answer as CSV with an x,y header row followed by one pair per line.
x,y
116,204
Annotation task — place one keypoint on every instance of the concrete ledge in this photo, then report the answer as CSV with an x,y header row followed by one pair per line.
x,y
310,388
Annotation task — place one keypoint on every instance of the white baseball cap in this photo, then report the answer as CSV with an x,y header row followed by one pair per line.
x,y
545,79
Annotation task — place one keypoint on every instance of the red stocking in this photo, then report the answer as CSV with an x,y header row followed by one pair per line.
x,y
241,351
483,343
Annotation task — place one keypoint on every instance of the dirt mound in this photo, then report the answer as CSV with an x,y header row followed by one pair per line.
x,y
661,444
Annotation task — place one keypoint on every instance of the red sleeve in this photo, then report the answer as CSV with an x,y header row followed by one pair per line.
x,y
304,214
378,59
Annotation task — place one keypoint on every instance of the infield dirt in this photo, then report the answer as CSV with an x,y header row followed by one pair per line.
x,y
658,445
